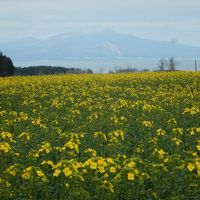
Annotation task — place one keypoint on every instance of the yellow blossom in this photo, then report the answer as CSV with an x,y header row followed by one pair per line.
x,y
147,124
191,167
101,162
192,111
8,135
48,162
112,170
131,176
197,163
131,164
27,173
110,160
4,146
11,170
176,141
93,165
161,153
56,172
67,171
41,175
160,132
101,169
59,164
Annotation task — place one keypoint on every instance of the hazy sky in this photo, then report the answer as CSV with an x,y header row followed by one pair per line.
x,y
154,19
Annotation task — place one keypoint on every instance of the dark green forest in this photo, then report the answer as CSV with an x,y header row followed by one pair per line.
x,y
6,66
8,69
47,70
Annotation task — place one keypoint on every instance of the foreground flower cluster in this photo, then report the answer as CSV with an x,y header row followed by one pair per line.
x,y
128,136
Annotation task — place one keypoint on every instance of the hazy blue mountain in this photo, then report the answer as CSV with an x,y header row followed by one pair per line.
x,y
105,45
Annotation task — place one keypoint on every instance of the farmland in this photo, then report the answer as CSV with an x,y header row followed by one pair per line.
x,y
117,136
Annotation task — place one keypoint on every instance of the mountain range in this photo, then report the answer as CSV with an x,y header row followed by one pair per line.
x,y
97,45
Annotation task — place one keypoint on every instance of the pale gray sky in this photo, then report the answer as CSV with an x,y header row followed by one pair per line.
x,y
154,19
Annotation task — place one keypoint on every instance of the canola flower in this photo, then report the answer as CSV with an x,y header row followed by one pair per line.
x,y
117,136
5,147
27,173
191,167
56,172
131,176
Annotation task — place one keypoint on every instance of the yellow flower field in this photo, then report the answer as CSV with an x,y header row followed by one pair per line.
x,y
121,136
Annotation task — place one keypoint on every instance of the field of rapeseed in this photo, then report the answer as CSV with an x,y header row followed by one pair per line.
x,y
126,137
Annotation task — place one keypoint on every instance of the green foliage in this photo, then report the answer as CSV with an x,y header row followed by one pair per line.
x,y
47,70
129,136
6,66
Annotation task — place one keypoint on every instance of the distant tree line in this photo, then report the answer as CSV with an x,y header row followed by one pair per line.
x,y
8,69
48,70
6,66
128,70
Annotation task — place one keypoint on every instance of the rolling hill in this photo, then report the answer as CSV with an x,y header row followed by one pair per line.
x,y
98,45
